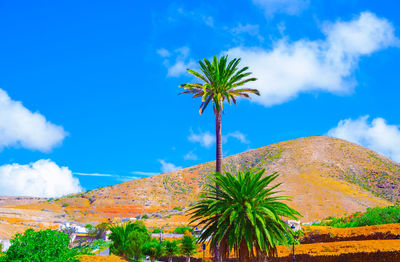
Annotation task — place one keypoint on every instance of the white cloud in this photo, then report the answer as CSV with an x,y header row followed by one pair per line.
x,y
326,65
237,135
168,167
206,139
291,7
190,156
93,174
376,135
141,173
163,52
252,30
21,127
42,178
196,15
176,66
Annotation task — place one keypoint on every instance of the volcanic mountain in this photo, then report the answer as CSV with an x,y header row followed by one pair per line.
x,y
324,176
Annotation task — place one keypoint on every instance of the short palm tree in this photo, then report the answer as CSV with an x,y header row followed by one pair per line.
x,y
246,217
221,80
128,239
171,249
188,246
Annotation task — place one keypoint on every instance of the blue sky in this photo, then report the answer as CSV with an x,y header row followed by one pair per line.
x,y
88,89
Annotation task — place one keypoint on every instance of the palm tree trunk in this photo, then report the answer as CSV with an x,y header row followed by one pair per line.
x,y
219,142
218,168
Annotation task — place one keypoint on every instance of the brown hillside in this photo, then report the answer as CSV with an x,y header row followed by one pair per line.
x,y
325,176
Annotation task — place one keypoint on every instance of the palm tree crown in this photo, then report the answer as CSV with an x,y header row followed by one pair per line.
x,y
221,81
246,216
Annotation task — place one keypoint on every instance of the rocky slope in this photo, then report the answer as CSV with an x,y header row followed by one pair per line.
x,y
325,177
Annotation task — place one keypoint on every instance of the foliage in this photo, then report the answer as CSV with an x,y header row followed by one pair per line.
x,y
157,230
221,81
45,245
69,230
90,247
153,249
177,208
182,230
188,245
65,205
128,239
295,237
373,216
244,215
170,248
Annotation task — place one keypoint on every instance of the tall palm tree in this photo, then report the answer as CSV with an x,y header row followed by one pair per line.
x,y
246,217
222,80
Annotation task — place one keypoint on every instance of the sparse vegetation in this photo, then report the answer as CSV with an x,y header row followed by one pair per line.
x,y
373,216
182,230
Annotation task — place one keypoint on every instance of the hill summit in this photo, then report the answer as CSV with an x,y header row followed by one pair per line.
x,y
324,176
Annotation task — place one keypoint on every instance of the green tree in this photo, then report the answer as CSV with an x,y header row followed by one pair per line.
x,y
40,246
188,246
153,249
246,217
221,80
170,249
128,239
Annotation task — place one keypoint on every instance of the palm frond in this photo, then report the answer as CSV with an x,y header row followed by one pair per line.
x,y
220,76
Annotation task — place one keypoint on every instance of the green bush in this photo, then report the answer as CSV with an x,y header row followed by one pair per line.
x,y
188,246
65,205
87,249
46,245
157,230
373,216
178,208
153,249
170,249
182,230
128,239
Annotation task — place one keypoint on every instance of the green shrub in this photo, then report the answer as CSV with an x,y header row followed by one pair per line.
x,y
88,248
188,246
157,230
65,205
170,249
153,249
178,208
373,216
128,239
45,245
182,230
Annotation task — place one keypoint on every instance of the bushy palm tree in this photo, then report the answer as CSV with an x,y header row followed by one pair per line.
x,y
128,239
153,249
188,246
170,249
246,217
221,80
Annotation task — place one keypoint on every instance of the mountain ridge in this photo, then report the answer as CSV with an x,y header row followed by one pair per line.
x,y
325,176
